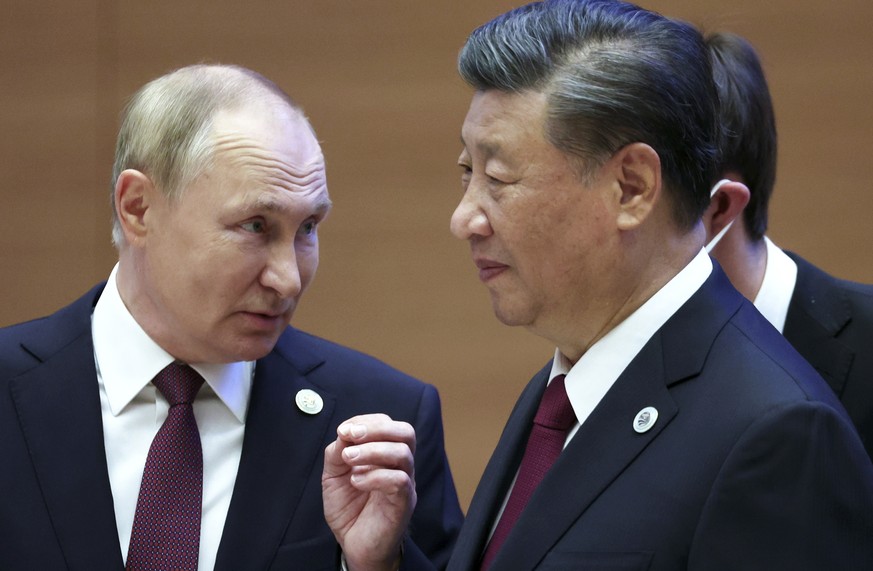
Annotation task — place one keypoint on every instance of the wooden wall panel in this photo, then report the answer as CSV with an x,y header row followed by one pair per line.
x,y
377,79
48,122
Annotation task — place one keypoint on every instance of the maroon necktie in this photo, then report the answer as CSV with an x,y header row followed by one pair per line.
x,y
166,527
554,418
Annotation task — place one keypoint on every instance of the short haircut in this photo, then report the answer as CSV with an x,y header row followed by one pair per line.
x,y
166,126
613,74
747,136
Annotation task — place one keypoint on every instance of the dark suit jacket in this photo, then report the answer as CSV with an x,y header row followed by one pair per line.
x,y
55,501
830,323
752,463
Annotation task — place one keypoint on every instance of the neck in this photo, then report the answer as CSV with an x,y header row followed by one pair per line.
x,y
654,262
129,279
744,260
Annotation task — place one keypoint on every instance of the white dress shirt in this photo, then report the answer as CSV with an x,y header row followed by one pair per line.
x,y
780,277
133,410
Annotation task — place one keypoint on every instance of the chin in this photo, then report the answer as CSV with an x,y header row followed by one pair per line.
x,y
512,317
252,348
258,351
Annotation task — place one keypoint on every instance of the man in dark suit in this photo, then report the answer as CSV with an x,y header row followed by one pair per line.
x,y
829,321
674,428
219,188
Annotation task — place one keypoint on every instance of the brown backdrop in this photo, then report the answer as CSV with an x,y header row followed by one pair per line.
x,y
377,79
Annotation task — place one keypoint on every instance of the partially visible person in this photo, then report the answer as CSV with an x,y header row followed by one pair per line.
x,y
828,320
170,418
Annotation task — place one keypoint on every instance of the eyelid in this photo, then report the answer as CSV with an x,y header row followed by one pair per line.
x,y
255,220
497,179
314,221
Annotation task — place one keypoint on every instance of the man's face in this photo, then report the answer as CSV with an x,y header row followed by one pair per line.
x,y
540,235
225,264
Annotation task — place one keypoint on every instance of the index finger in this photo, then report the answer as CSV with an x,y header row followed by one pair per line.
x,y
376,428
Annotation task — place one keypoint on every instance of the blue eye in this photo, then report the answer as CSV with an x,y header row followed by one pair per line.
x,y
254,226
308,227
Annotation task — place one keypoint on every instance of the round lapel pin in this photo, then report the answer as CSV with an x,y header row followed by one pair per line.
x,y
309,401
645,419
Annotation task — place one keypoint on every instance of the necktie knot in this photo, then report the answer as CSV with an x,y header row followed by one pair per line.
x,y
555,410
178,383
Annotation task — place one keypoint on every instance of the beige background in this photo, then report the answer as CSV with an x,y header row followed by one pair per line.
x,y
377,79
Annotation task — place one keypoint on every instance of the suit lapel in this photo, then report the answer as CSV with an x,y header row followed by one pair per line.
x,y
817,313
280,450
498,476
58,407
602,448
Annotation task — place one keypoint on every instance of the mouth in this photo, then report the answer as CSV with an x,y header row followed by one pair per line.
x,y
489,269
268,321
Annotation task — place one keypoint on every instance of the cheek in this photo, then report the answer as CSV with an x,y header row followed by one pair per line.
x,y
307,264
531,227
225,270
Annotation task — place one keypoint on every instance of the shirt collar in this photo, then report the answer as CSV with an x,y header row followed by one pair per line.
x,y
780,277
128,359
598,369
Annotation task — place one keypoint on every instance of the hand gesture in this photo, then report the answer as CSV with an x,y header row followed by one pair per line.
x,y
368,489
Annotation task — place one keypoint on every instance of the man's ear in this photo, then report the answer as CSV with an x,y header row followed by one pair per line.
x,y
638,171
134,195
725,206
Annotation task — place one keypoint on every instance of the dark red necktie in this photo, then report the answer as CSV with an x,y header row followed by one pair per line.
x,y
554,418
166,527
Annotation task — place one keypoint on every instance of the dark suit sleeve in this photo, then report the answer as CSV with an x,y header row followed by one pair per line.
x,y
437,517
753,520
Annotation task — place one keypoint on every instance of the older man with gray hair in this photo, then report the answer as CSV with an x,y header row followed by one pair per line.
x,y
674,428
170,418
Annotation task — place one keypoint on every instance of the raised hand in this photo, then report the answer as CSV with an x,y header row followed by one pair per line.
x,y
368,489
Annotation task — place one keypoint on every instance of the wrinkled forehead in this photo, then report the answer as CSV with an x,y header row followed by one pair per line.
x,y
267,127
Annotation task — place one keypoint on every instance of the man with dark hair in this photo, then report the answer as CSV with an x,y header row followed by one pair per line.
x,y
170,418
829,321
674,428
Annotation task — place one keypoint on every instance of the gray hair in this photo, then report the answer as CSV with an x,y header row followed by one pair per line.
x,y
166,126
613,74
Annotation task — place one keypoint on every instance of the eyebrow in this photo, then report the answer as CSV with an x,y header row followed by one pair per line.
x,y
323,206
270,204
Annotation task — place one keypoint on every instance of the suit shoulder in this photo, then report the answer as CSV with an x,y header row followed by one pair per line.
x,y
774,369
812,279
14,356
310,351
12,333
25,344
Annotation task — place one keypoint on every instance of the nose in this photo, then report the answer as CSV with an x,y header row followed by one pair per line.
x,y
282,273
469,219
